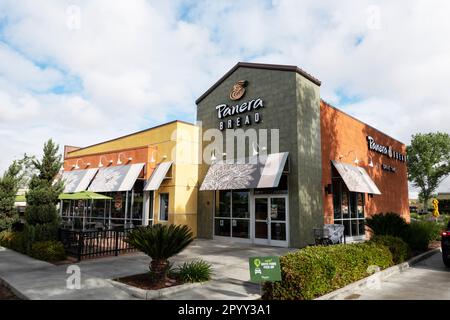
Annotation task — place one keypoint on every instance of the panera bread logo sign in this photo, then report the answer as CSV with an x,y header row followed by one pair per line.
x,y
238,90
240,111
386,150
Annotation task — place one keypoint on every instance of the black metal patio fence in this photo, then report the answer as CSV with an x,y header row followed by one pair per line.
x,y
96,243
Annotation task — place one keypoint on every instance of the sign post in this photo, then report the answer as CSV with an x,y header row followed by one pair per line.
x,y
264,269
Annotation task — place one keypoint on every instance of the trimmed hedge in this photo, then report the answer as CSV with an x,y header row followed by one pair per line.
x,y
399,248
314,271
417,234
420,234
390,223
48,251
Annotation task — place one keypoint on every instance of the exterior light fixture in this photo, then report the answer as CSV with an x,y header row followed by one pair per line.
x,y
356,161
152,159
100,164
328,189
120,162
76,164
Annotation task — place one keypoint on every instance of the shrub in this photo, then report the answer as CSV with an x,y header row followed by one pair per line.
x,y
390,223
399,248
48,251
160,242
419,234
5,237
194,271
41,232
314,271
13,240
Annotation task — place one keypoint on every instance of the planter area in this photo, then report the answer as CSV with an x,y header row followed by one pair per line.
x,y
146,289
6,294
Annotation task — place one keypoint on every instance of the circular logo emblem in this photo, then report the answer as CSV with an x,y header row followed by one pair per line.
x,y
238,90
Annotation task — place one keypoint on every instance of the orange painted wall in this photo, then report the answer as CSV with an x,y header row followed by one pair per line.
x,y
138,155
340,134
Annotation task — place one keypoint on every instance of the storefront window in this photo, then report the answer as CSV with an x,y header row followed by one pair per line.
x,y
223,204
124,208
337,199
344,205
163,206
240,204
348,209
232,214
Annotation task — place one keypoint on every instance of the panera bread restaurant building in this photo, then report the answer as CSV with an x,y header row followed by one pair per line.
x,y
311,163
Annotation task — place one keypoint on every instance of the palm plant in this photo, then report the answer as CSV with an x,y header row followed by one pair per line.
x,y
160,242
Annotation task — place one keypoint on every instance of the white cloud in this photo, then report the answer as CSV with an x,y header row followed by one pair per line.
x,y
130,65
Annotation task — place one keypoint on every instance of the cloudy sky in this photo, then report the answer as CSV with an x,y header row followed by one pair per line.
x,y
84,71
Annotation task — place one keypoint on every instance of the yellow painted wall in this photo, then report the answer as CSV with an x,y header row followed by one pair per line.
x,y
178,142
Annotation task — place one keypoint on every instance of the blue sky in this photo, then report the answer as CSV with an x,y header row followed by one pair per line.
x,y
84,71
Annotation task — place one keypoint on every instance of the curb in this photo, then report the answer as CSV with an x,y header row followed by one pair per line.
x,y
341,293
152,294
16,292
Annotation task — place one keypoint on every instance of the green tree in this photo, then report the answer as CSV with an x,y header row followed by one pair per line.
x,y
9,185
428,162
41,216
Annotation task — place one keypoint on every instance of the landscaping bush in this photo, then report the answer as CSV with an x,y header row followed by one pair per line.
x,y
194,271
48,251
314,271
14,241
390,223
5,237
419,234
399,248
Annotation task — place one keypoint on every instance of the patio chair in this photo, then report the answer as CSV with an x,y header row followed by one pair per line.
x,y
329,234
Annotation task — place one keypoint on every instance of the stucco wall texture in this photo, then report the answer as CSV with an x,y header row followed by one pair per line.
x,y
344,135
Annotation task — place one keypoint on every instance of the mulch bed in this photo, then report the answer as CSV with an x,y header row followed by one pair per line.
x,y
6,294
144,281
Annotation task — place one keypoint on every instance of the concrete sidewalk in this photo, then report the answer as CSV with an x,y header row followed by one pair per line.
x,y
37,280
426,280
34,279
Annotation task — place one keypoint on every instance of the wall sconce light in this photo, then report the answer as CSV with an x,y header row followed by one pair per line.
x,y
120,162
76,166
328,189
371,162
100,164
153,159
356,161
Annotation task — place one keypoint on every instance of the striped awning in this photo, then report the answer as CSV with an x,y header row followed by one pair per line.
x,y
116,178
356,178
77,180
157,176
249,173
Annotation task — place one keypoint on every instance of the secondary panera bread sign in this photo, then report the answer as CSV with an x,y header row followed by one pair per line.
x,y
386,150
240,111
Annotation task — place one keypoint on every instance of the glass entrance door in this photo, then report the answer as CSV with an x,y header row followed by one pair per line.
x,y
270,220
